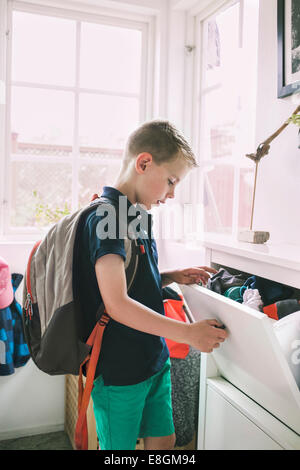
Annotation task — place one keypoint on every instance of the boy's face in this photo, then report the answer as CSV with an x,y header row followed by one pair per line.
x,y
158,182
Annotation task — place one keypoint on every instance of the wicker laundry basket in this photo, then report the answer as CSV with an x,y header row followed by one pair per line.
x,y
71,397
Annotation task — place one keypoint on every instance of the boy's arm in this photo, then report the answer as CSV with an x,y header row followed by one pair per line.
x,y
165,278
187,276
111,280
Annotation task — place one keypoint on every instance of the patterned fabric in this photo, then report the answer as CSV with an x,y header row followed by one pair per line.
x,y
185,375
13,348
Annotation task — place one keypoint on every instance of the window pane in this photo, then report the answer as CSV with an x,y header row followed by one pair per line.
x,y
43,49
110,58
245,197
218,199
106,121
220,124
92,178
43,117
40,193
222,43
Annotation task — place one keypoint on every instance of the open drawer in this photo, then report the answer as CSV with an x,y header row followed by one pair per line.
x,y
251,358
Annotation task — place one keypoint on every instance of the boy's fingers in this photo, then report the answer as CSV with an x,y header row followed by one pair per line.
x,y
214,323
208,269
198,274
221,333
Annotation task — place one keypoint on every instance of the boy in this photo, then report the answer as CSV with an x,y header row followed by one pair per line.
x,y
132,391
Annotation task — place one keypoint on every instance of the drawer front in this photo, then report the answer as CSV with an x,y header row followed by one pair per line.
x,y
251,357
227,428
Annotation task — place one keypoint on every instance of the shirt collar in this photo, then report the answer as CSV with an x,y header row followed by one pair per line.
x,y
114,194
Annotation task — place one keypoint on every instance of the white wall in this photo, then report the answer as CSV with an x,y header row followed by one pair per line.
x,y
31,402
278,188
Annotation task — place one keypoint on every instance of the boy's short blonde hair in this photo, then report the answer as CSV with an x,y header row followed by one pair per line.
x,y
162,140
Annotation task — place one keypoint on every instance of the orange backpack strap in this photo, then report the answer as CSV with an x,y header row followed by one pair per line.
x,y
84,393
95,341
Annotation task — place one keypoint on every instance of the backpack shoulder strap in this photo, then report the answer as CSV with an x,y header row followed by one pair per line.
x,y
130,244
132,249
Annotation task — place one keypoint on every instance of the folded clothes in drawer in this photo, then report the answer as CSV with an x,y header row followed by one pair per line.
x,y
270,297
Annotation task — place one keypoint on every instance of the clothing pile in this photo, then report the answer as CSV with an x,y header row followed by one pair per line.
x,y
274,299
13,348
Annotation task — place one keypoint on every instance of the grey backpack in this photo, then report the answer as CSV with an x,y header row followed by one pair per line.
x,y
52,319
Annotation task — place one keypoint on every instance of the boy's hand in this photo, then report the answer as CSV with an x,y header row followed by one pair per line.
x,y
111,277
205,335
188,276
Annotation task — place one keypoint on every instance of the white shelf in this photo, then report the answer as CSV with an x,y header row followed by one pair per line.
x,y
276,261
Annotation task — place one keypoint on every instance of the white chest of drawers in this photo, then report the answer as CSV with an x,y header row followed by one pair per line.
x,y
249,398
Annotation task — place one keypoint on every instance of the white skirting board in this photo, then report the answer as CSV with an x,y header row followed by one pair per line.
x,y
34,431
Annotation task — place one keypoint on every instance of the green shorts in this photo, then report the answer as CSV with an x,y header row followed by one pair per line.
x,y
125,413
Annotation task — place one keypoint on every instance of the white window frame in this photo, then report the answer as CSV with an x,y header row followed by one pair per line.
x,y
193,114
144,23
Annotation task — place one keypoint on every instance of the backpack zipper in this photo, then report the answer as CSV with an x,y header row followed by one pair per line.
x,y
28,306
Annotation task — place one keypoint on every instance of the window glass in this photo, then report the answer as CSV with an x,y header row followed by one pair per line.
x,y
41,193
105,121
43,49
227,108
75,95
41,118
218,199
221,46
110,58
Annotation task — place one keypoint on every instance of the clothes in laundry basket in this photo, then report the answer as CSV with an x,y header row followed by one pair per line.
x,y
173,305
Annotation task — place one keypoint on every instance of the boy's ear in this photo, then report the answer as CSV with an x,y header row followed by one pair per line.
x,y
143,161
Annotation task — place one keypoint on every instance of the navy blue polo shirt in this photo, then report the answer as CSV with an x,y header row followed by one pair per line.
x,y
128,356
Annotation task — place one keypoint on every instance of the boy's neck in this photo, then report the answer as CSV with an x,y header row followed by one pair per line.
x,y
126,188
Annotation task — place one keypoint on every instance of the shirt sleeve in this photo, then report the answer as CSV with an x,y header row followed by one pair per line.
x,y
98,243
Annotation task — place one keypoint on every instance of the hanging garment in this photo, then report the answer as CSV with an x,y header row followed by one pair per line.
x,y
223,280
13,348
6,290
6,342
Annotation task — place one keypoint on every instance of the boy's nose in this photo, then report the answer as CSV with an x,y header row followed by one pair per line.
x,y
171,194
